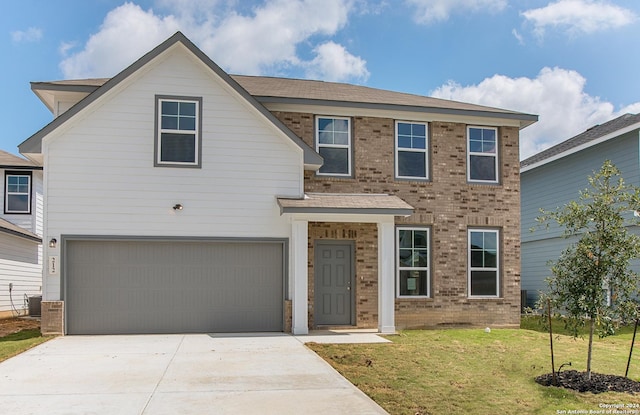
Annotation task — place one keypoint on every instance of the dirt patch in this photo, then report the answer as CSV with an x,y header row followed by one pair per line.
x,y
14,325
572,379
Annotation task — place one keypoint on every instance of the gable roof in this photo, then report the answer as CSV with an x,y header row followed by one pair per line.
x,y
10,161
34,143
588,138
304,91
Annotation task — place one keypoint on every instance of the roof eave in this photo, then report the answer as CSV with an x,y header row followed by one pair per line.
x,y
525,119
336,210
581,147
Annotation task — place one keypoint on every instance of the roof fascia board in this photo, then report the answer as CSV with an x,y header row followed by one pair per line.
x,y
524,119
10,167
581,147
48,86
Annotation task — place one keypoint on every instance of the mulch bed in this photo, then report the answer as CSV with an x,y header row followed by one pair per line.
x,y
572,379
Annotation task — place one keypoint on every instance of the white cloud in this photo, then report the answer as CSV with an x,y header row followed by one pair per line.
x,y
578,16
32,34
429,11
518,36
557,95
263,39
126,34
334,63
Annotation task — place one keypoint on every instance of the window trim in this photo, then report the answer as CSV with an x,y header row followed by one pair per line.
x,y
497,268
495,155
7,174
349,146
425,151
397,262
158,132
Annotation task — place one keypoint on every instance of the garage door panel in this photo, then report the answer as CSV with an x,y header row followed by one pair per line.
x,y
173,287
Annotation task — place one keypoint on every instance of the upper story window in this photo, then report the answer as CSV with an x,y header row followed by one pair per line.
x,y
17,195
412,248
333,141
484,261
411,150
482,154
178,131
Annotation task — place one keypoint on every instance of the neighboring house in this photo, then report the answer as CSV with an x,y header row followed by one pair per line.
x,y
182,199
554,177
20,234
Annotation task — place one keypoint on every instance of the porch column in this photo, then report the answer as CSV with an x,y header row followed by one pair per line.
x,y
386,286
300,280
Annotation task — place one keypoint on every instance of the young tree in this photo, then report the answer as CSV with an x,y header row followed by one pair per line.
x,y
597,263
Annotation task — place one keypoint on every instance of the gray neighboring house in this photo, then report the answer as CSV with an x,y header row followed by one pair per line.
x,y
554,176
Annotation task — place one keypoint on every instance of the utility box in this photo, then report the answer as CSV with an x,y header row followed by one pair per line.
x,y
35,306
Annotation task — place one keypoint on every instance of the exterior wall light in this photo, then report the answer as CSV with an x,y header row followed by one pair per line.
x,y
53,242
177,206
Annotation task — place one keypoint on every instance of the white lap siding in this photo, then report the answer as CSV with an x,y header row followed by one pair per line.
x,y
101,179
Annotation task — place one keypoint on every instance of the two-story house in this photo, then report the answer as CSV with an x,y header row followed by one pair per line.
x,y
182,199
555,176
20,234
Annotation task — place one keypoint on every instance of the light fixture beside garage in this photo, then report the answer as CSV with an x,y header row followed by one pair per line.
x,y
177,206
53,242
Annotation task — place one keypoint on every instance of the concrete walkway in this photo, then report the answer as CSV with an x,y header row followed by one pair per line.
x,y
179,374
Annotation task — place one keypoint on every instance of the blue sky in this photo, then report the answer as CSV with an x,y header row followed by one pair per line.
x,y
572,62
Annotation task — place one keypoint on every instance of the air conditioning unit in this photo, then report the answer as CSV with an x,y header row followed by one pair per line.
x,y
35,306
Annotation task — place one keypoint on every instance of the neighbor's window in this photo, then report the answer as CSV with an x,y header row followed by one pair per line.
x,y
482,154
411,150
17,196
178,140
333,141
412,246
484,260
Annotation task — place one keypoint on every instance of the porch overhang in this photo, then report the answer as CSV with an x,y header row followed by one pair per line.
x,y
314,206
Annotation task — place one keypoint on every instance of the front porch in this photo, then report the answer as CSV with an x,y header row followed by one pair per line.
x,y
348,241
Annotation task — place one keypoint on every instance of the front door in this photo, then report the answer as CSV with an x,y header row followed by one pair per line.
x,y
333,283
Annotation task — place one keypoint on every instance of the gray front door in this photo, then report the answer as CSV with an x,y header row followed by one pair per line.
x,y
333,283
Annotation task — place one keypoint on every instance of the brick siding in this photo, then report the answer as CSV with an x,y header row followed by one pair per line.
x,y
447,203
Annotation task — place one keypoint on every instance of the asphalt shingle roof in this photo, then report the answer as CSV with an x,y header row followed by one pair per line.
x,y
591,134
346,203
8,160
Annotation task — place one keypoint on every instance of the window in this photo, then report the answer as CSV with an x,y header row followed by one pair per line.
x,y
17,196
412,246
482,154
483,263
333,140
178,140
411,150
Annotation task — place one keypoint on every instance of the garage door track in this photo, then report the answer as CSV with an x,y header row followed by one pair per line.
x,y
176,374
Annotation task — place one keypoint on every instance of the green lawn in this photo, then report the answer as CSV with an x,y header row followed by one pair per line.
x,y
468,371
17,343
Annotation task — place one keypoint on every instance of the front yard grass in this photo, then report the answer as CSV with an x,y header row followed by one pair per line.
x,y
468,371
16,343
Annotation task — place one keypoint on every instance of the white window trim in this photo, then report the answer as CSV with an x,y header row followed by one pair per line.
x,y
475,153
160,130
428,267
348,146
7,193
415,150
496,269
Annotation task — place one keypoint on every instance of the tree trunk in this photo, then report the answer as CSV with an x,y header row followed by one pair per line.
x,y
592,323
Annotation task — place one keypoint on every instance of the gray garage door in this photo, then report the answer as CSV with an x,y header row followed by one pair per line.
x,y
118,287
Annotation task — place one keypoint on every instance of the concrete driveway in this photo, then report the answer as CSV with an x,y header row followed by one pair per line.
x,y
178,374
